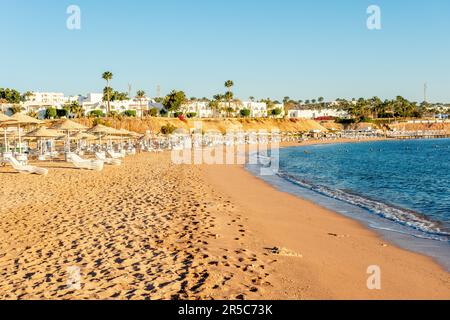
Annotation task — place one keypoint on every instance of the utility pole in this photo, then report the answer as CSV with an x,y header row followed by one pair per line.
x,y
425,88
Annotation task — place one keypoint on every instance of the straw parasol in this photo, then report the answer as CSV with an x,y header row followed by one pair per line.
x,y
4,121
101,129
124,132
20,119
4,118
68,126
104,130
83,136
43,133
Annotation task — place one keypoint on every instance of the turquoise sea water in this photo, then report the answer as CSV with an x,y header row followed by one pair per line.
x,y
401,188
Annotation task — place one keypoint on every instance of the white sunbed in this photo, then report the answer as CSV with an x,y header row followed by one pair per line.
x,y
102,157
115,155
25,168
96,165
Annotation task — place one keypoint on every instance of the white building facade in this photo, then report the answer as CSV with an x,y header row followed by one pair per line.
x,y
315,113
257,109
200,108
233,109
38,102
94,101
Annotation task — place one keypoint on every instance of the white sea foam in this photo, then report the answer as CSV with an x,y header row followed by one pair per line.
x,y
430,229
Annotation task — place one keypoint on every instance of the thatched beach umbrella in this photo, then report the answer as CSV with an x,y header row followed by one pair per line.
x,y
4,121
103,130
69,126
43,133
84,136
23,120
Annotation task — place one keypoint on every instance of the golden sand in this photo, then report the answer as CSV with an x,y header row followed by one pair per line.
x,y
154,230
146,230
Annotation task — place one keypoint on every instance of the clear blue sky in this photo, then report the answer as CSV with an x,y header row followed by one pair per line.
x,y
301,49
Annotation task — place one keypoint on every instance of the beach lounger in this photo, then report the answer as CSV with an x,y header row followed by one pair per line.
x,y
25,168
102,157
96,165
115,155
131,152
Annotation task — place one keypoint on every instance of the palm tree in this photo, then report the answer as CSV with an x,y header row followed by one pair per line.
x,y
27,95
229,84
140,95
229,95
107,76
321,104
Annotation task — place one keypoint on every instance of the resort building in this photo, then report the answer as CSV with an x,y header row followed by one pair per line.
x,y
200,108
232,109
317,113
38,102
257,109
94,101
46,98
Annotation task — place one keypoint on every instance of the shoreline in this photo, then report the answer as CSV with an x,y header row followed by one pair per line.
x,y
248,181
339,250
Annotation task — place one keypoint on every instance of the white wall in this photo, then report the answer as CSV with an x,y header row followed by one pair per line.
x,y
313,114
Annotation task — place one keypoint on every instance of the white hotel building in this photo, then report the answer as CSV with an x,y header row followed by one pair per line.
x,y
39,102
315,113
202,109
94,101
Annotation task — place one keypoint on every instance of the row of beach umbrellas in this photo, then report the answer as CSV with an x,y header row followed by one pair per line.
x,y
67,127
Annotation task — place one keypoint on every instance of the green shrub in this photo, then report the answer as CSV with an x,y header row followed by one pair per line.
x,y
168,129
96,114
345,121
163,113
177,114
61,113
276,112
153,112
51,113
366,119
191,115
113,114
245,113
98,121
130,113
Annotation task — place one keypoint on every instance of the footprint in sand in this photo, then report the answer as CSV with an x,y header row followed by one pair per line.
x,y
284,252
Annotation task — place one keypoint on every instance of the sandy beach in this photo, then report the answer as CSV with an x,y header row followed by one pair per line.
x,y
155,230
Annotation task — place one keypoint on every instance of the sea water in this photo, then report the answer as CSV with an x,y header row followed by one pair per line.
x,y
400,188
